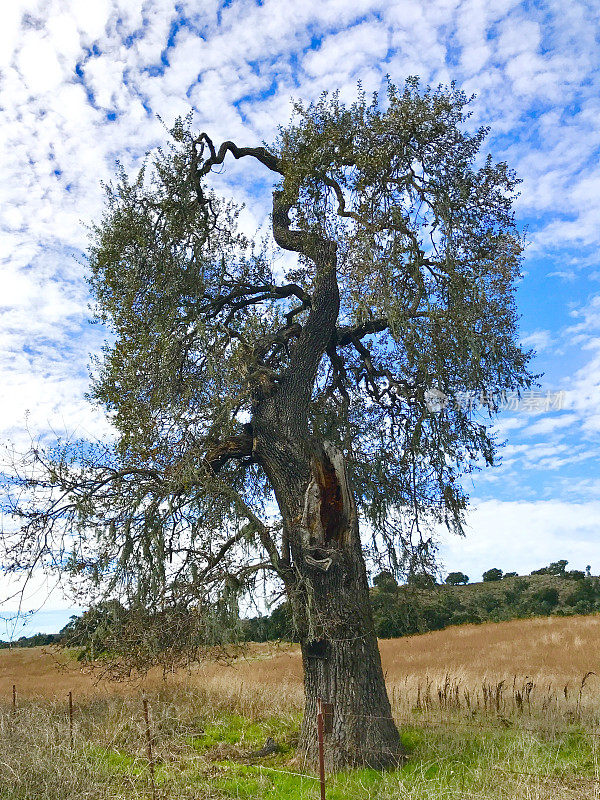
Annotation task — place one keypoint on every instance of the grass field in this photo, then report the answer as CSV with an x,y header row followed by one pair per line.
x,y
491,711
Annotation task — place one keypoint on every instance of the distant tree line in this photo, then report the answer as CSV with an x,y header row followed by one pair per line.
x,y
418,606
37,640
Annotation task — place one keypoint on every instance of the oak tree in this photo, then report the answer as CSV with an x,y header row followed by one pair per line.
x,y
275,415
457,578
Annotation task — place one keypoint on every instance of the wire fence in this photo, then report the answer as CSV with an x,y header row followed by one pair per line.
x,y
421,721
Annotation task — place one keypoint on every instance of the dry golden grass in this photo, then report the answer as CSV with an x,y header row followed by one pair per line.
x,y
469,662
559,649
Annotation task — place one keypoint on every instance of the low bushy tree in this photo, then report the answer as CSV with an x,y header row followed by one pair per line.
x,y
544,600
493,574
555,568
385,582
456,578
421,580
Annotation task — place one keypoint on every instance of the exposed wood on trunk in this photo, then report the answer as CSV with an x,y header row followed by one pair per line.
x,y
341,658
328,505
332,612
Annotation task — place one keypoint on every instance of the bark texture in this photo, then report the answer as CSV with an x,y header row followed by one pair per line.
x,y
332,610
328,591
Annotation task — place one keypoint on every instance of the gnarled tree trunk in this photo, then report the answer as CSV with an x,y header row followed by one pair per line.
x,y
321,558
332,611
328,591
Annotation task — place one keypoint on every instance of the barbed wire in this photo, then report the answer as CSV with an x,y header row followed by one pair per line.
x,y
562,778
437,719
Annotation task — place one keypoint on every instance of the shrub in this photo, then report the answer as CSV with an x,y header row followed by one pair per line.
x,y
489,602
421,580
548,597
555,568
385,582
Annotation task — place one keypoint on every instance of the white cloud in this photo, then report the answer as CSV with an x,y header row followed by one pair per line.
x,y
538,340
91,18
38,64
9,30
349,50
504,425
549,424
522,536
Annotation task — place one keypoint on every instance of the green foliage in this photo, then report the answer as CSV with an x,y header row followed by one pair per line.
x,y
585,597
556,568
409,609
547,598
385,582
274,626
493,574
93,630
421,580
413,147
118,639
36,640
456,578
489,602
398,611
203,330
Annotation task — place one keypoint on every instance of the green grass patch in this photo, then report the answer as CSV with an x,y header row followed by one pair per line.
x,y
449,761
114,761
234,729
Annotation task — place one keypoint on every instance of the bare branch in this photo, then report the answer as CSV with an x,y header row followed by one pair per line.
x,y
260,153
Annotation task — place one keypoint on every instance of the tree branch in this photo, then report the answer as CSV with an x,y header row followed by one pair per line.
x,y
239,446
260,153
316,334
346,336
250,294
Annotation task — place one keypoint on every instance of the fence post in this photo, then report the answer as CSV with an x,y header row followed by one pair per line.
x,y
321,751
71,719
149,748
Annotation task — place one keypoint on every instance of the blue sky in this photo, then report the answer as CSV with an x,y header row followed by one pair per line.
x,y
81,84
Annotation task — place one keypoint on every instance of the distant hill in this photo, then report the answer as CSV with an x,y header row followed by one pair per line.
x,y
422,605
555,650
404,610
37,640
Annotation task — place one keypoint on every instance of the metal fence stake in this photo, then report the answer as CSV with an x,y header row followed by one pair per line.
x,y
321,748
149,748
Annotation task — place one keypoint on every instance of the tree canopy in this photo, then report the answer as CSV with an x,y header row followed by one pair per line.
x,y
456,578
262,407
201,318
